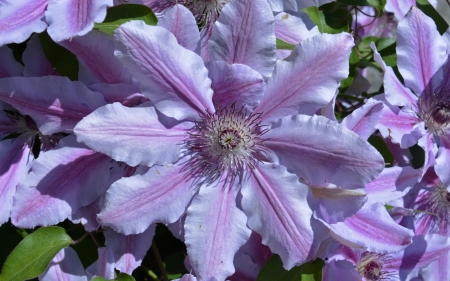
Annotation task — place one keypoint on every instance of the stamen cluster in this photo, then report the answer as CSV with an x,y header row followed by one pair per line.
x,y
372,265
436,203
434,110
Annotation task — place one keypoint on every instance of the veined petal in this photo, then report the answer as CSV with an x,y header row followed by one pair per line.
x,y
235,83
20,18
46,197
443,160
399,7
181,23
292,29
438,269
65,266
71,18
391,184
244,33
104,265
16,160
160,195
172,77
55,103
307,80
132,135
215,229
9,67
421,51
275,203
95,53
372,229
35,61
364,119
319,150
129,250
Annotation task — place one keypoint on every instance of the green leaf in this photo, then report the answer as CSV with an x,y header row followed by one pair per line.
x,y
360,2
121,14
273,271
31,257
331,18
121,277
281,45
430,11
62,60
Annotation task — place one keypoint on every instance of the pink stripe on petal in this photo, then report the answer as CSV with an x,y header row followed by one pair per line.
x,y
364,119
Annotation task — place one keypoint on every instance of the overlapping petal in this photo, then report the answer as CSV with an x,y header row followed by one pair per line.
x,y
65,266
363,120
9,67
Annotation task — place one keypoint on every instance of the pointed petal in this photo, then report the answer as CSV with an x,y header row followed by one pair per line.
x,y
438,269
364,119
71,18
372,229
276,206
143,139
55,103
95,54
104,265
421,50
9,67
65,266
307,80
319,150
160,195
16,159
215,229
35,61
392,183
129,250
235,83
181,23
244,33
20,18
173,78
429,146
45,197
291,29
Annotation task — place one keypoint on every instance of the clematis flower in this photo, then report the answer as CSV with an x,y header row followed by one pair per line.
x,y
423,117
207,149
65,19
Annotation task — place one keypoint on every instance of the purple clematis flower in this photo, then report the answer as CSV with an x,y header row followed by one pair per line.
x,y
65,19
227,157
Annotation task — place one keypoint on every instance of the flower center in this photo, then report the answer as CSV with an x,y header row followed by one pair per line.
x,y
205,12
371,266
436,203
228,140
434,110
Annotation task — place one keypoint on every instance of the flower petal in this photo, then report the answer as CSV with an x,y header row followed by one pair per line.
x,y
244,33
104,265
9,67
35,61
71,18
55,103
65,266
160,195
132,135
307,80
364,119
321,150
275,203
235,83
172,77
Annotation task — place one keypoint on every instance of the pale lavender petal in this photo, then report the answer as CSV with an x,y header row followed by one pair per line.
x,y
421,51
336,269
172,77
128,95
246,269
291,29
55,103
294,5
244,33
392,183
399,7
364,119
399,126
372,229
95,54
16,160
258,252
321,150
71,18
307,80
180,21
35,60
87,216
187,277
396,93
20,18
9,67
65,266
129,250
143,139
235,83
430,148
104,266
215,229
134,203
443,160
46,197
438,269
328,110
334,204
275,203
